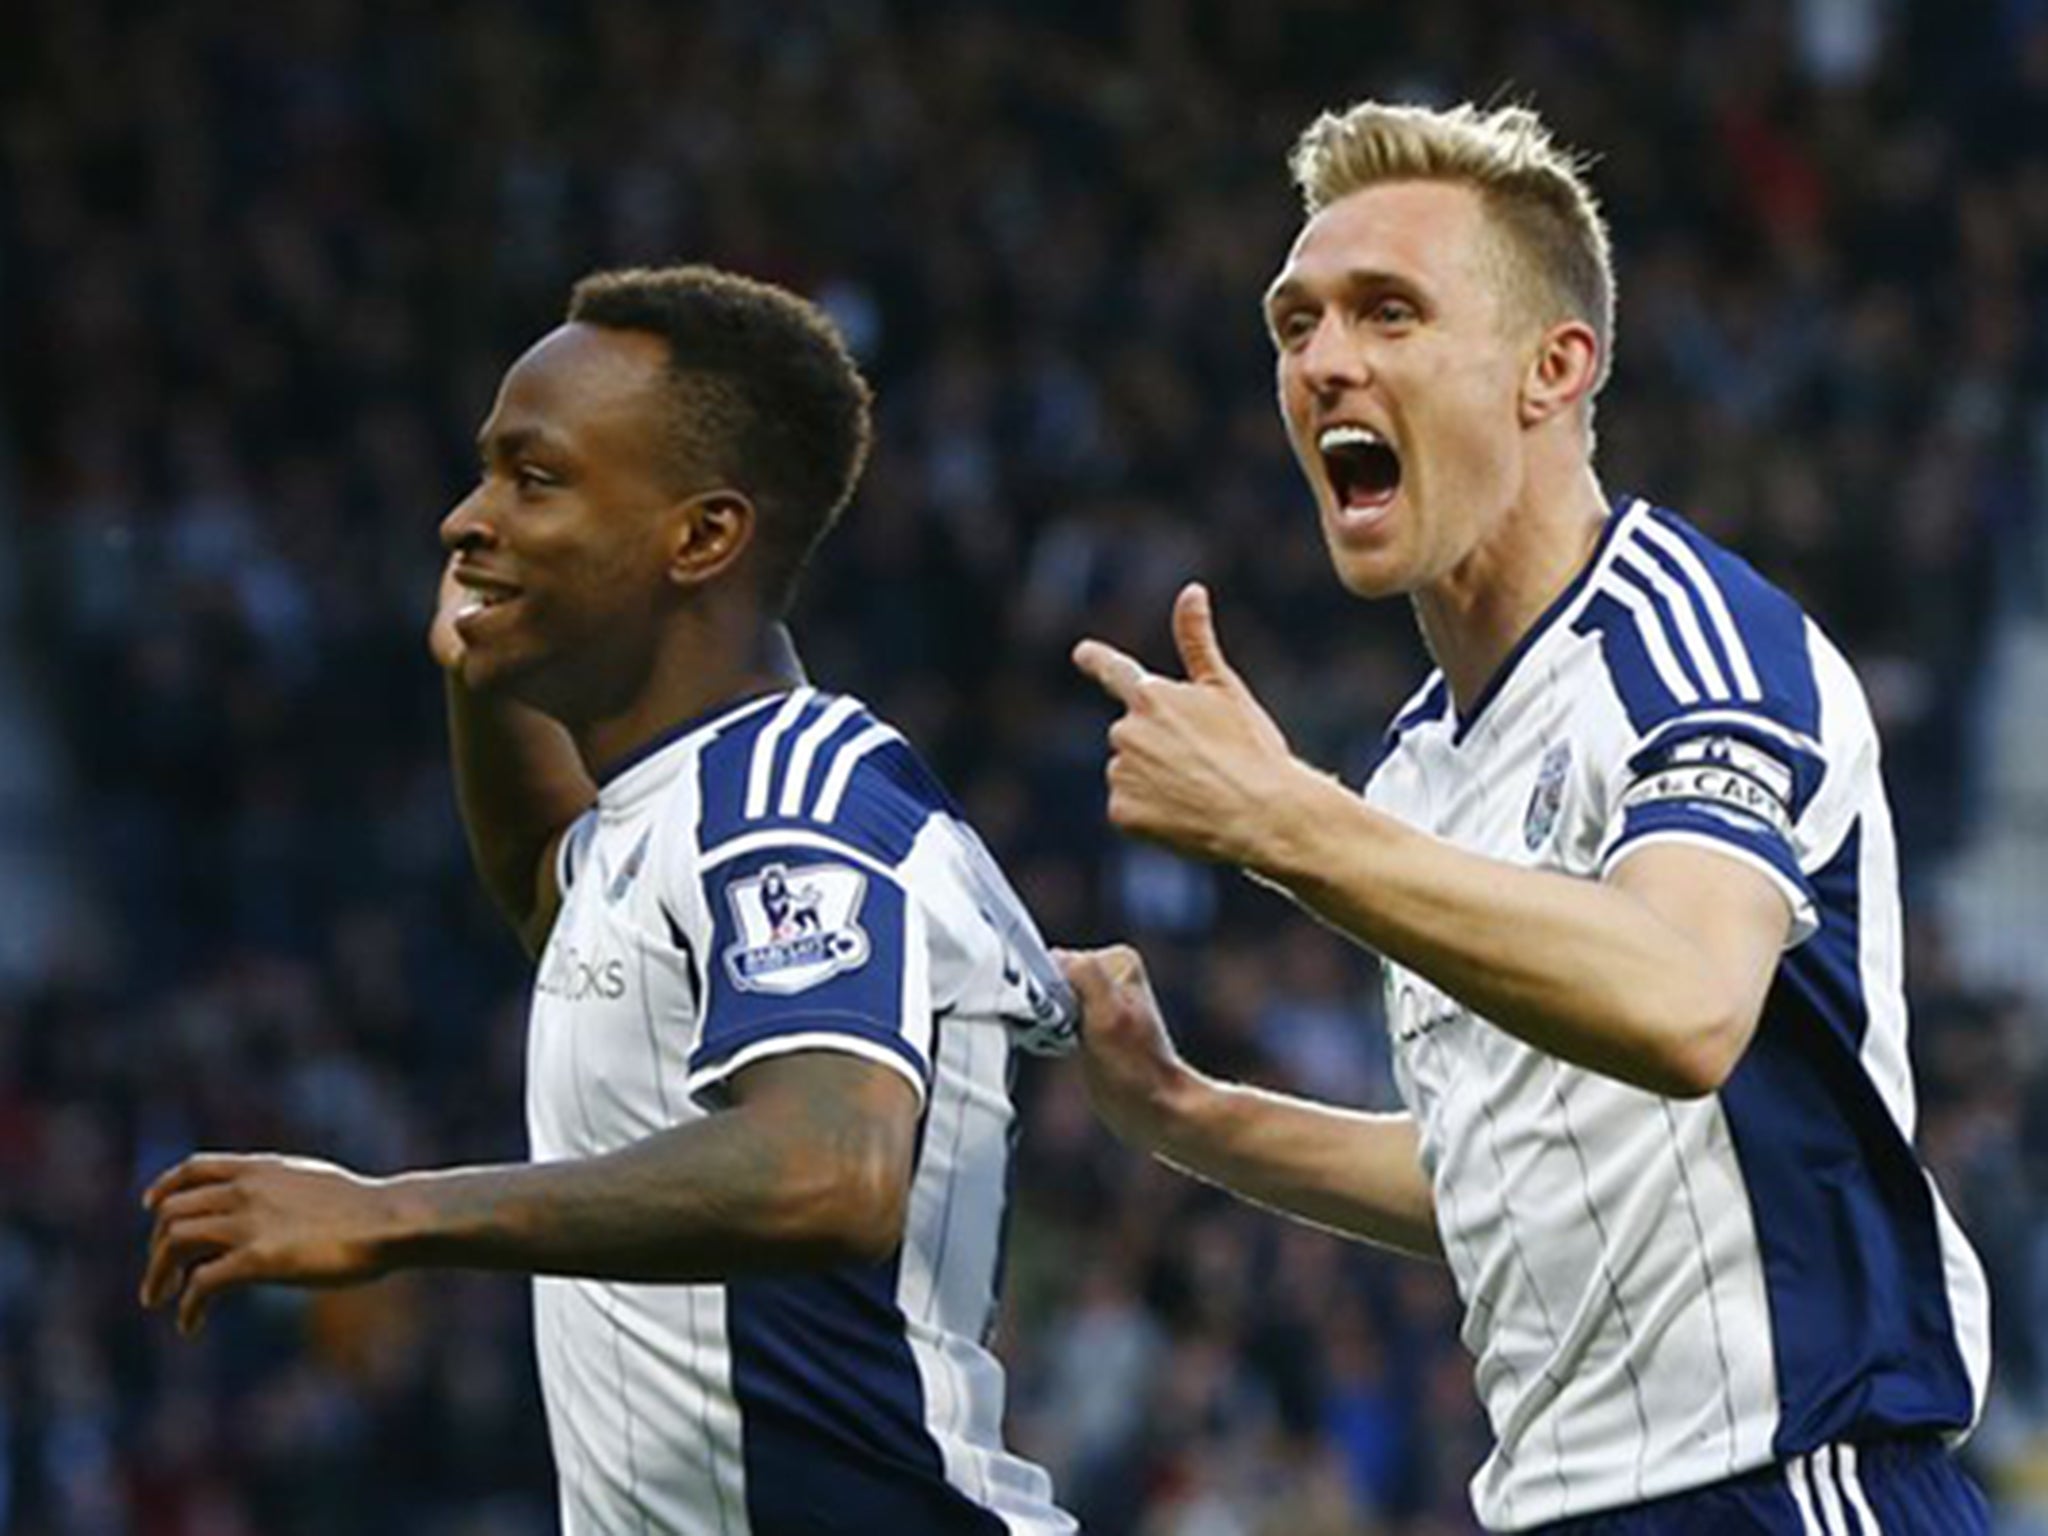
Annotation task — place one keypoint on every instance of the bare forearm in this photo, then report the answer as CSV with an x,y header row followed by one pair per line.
x,y
1356,1174
519,782
1578,968
702,1202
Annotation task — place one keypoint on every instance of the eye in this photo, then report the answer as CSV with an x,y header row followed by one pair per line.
x,y
1293,327
532,481
1394,312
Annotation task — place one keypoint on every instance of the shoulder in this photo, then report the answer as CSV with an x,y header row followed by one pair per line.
x,y
819,767
1687,628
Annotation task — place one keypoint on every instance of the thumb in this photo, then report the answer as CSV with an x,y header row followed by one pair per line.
x,y
1194,636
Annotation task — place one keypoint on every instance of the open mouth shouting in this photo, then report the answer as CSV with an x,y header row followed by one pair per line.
x,y
1363,469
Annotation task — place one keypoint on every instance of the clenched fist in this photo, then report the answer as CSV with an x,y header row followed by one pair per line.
x,y
1135,1075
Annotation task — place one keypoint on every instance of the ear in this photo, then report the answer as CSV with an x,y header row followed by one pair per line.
x,y
709,532
1561,373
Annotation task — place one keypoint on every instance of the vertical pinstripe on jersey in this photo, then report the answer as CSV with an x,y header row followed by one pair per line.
x,y
1605,1269
1708,1286
1549,1379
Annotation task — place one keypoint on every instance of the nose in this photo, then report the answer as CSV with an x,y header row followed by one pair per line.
x,y
1332,360
466,527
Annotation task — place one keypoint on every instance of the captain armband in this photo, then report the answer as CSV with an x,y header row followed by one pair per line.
x,y
1729,776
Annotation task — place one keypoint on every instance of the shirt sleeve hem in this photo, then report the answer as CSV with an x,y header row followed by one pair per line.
x,y
708,1075
1798,896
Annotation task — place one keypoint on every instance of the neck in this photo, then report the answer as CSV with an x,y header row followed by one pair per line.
x,y
696,675
1475,616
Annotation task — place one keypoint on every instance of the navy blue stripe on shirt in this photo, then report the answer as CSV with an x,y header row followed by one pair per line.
x,y
832,1411
1429,705
722,774
784,751
1771,626
1667,622
1643,693
1860,1321
885,804
1654,552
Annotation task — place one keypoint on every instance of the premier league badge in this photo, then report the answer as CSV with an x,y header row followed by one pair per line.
x,y
797,927
1547,799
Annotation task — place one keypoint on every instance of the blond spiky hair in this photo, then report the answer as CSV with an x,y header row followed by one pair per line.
x,y
1535,190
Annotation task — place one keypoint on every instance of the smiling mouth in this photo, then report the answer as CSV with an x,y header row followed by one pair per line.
x,y
478,601
1363,467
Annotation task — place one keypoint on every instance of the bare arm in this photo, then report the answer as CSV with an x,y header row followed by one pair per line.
x,y
1356,1174
810,1167
518,780
1656,976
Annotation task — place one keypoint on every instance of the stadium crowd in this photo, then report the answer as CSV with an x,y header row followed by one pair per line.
x,y
259,267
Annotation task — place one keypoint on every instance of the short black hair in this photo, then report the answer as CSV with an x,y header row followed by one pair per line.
x,y
767,398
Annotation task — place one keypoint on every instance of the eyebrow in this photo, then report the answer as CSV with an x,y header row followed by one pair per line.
x,y
514,440
1352,278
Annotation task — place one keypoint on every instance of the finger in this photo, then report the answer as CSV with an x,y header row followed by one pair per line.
x,y
1118,675
1194,636
205,1283
214,1199
1095,973
1083,970
201,1169
176,1246
174,1216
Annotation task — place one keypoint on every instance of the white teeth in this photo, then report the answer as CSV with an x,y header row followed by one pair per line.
x,y
1347,436
471,607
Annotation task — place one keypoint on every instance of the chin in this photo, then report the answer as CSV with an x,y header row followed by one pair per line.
x,y
480,674
492,676
1370,576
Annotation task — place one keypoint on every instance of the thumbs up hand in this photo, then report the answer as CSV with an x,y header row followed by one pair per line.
x,y
1193,764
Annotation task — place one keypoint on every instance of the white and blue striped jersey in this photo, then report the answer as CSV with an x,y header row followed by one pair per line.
x,y
785,875
1661,1294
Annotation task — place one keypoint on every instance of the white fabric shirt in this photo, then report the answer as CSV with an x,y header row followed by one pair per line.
x,y
786,876
1661,1294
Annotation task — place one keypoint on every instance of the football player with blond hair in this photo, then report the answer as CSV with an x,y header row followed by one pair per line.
x,y
1628,864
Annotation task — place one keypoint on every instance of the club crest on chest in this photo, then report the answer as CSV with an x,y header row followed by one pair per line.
x,y
1546,800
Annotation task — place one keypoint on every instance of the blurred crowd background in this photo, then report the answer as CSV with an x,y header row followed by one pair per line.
x,y
260,267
